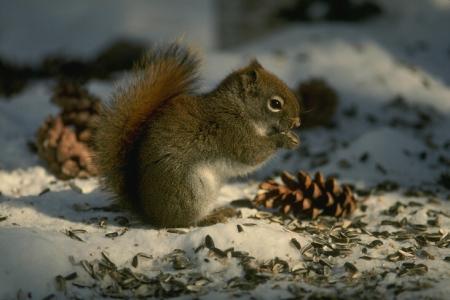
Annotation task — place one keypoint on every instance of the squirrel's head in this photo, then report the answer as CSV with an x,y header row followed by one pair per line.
x,y
265,99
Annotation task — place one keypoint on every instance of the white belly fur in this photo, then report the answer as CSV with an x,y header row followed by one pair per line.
x,y
209,177
213,174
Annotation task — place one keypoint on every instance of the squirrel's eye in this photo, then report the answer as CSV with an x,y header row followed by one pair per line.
x,y
275,104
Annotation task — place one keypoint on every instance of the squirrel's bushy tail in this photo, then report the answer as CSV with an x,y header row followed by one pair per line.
x,y
164,73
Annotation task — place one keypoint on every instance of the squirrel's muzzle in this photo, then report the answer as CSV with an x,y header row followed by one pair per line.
x,y
295,122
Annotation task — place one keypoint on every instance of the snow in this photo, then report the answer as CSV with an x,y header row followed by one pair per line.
x,y
368,64
40,269
386,147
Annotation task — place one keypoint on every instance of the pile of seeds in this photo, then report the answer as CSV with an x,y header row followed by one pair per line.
x,y
304,196
322,262
111,281
64,141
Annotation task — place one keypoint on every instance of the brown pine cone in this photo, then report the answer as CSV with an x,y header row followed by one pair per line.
x,y
64,141
304,196
72,96
67,157
79,107
318,102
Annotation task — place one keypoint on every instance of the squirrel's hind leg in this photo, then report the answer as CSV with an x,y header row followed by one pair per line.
x,y
170,203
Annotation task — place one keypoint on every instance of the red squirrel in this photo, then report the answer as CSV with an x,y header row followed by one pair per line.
x,y
165,150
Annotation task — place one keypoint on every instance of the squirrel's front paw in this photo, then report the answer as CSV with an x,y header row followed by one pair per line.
x,y
288,140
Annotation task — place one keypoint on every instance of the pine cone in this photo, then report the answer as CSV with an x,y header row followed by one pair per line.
x,y
63,141
79,107
303,195
318,102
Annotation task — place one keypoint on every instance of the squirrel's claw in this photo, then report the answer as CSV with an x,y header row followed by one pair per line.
x,y
288,140
294,140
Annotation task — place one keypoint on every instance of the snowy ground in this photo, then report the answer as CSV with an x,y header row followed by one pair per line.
x,y
396,245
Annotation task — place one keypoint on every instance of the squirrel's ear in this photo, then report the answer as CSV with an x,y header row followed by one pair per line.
x,y
250,76
254,64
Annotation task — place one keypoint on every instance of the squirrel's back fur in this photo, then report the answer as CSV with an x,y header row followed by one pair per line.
x,y
164,74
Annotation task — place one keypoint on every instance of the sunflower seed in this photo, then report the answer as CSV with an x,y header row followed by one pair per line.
x,y
413,269
82,284
196,250
418,227
366,257
87,267
107,259
325,263
209,242
375,243
218,252
406,254
180,262
60,283
433,237
349,267
433,222
112,234
116,233
134,261
421,240
424,254
44,191
71,276
177,231
263,215
296,243
391,223
73,235
298,267
103,223
193,288
201,282
395,257
239,254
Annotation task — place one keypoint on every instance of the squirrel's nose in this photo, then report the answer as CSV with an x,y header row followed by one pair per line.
x,y
296,122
